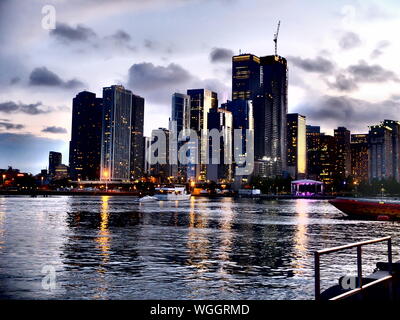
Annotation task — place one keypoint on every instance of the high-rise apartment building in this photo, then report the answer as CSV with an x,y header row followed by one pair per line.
x,y
296,146
116,134
85,144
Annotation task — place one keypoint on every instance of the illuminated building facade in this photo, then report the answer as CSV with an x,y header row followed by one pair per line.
x,y
85,144
296,146
137,139
359,157
343,155
161,171
201,102
55,159
116,134
383,150
181,116
270,116
245,76
217,169
313,136
327,159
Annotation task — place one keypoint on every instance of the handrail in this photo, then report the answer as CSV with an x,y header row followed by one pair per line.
x,y
360,286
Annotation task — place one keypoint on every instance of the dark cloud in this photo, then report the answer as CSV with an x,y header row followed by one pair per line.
x,y
56,130
343,83
349,40
317,65
378,51
158,83
66,33
26,151
144,76
349,112
6,124
15,80
121,35
32,109
221,55
44,77
362,72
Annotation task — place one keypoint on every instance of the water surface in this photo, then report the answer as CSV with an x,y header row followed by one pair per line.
x,y
114,248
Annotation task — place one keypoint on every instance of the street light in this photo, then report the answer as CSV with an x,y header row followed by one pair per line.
x,y
4,178
105,176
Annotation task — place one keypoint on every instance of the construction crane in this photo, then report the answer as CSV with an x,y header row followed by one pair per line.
x,y
276,38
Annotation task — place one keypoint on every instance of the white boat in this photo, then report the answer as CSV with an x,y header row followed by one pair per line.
x,y
148,199
172,194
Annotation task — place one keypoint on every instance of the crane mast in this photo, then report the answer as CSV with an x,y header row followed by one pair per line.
x,y
276,38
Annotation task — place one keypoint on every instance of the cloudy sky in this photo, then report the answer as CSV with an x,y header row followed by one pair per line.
x,y
343,60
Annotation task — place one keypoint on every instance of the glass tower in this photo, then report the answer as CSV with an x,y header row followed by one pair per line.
x,y
116,134
85,145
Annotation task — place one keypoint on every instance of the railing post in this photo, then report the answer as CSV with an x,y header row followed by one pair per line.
x,y
317,276
390,285
359,266
390,255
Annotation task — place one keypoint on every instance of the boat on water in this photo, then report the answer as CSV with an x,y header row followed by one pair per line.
x,y
147,199
368,208
172,194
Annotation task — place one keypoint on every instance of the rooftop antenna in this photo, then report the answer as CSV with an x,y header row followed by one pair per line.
x,y
276,38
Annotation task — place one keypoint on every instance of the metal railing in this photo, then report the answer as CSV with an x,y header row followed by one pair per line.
x,y
360,285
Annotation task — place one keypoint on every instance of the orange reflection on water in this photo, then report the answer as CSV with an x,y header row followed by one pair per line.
x,y
103,244
103,239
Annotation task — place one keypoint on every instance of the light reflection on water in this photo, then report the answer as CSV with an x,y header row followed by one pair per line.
x,y
115,248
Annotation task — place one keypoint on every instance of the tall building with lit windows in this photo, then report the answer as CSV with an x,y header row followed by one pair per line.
x,y
85,144
384,150
55,159
245,76
116,134
270,116
181,116
201,102
296,146
359,157
343,156
137,140
220,149
313,134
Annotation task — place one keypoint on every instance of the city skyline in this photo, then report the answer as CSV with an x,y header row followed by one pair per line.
x,y
359,67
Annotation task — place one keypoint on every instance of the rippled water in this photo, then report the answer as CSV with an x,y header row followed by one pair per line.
x,y
115,248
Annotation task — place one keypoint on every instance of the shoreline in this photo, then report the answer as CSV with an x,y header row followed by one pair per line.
x,y
48,193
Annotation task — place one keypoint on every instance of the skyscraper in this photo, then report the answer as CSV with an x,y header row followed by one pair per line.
x,y
327,159
313,151
161,171
296,145
201,102
270,110
181,115
245,76
359,157
137,140
219,170
116,134
343,156
383,150
242,119
85,144
55,159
